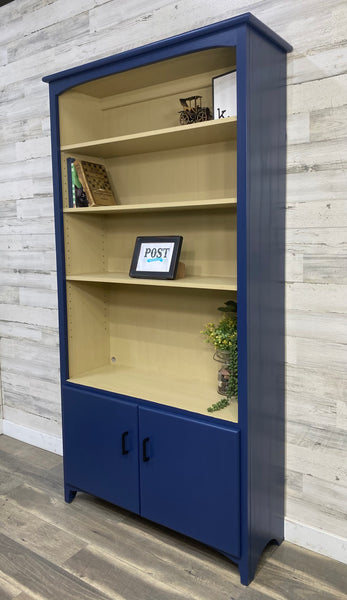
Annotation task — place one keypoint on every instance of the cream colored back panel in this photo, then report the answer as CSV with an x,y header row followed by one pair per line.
x,y
158,329
141,99
152,114
195,173
145,342
209,239
105,243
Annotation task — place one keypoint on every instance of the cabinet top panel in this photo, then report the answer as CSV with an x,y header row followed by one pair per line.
x,y
160,72
214,35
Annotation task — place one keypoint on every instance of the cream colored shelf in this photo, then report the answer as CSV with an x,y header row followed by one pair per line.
x,y
203,283
207,132
156,206
154,386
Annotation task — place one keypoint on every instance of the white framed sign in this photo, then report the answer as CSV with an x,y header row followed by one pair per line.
x,y
156,257
224,95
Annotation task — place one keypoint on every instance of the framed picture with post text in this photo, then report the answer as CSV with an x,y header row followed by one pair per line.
x,y
156,257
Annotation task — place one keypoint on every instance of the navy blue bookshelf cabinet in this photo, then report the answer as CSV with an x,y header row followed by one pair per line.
x,y
135,382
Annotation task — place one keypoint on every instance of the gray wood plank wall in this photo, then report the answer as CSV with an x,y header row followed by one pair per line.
x,y
38,37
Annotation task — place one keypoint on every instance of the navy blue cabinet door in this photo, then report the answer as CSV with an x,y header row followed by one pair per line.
x,y
190,478
101,446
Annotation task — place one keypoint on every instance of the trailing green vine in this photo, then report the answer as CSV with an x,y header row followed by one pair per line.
x,y
218,405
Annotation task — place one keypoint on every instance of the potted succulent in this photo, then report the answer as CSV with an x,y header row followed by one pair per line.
x,y
223,337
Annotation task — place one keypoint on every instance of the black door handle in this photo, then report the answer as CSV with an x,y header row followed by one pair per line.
x,y
124,436
144,450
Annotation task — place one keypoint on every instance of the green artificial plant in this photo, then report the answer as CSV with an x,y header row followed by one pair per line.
x,y
223,337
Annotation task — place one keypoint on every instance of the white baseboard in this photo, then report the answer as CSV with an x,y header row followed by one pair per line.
x,y
1,426
317,540
36,438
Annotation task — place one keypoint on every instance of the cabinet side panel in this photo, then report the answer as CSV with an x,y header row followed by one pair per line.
x,y
88,327
266,162
80,118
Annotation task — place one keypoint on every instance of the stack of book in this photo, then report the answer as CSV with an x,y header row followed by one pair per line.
x,y
89,184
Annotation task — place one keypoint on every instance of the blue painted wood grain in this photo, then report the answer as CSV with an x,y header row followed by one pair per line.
x,y
190,482
100,442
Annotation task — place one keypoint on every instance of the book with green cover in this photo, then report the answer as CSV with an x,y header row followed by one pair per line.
x,y
77,195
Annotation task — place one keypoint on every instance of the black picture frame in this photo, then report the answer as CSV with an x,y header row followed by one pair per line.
x,y
153,250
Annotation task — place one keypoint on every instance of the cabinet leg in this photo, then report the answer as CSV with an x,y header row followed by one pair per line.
x,y
246,572
70,493
248,568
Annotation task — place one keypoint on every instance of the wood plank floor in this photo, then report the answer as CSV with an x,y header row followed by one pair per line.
x,y
91,550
